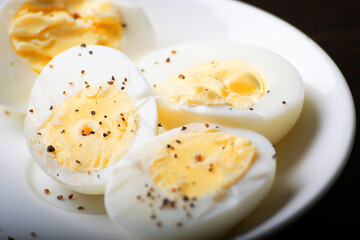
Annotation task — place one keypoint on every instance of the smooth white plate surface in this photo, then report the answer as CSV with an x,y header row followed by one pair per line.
x,y
309,159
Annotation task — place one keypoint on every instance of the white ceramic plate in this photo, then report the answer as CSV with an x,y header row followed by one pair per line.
x,y
310,158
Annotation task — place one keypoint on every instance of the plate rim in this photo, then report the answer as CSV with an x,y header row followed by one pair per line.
x,y
346,150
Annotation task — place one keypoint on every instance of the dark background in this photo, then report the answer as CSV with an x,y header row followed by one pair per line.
x,y
335,26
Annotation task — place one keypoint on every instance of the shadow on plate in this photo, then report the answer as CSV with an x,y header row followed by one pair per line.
x,y
290,151
13,122
46,190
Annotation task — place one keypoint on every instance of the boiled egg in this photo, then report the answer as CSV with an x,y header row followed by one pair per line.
x,y
34,31
192,182
227,83
89,106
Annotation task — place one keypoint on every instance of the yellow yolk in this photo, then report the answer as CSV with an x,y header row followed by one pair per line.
x,y
42,29
201,162
91,129
229,82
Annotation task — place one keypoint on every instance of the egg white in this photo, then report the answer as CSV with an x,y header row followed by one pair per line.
x,y
270,116
213,214
17,78
100,66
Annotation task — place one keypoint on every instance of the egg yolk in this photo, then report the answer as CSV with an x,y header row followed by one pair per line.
x,y
91,129
229,82
42,29
200,162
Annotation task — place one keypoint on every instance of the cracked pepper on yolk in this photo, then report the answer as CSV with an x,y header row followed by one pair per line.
x,y
229,82
91,129
200,162
42,29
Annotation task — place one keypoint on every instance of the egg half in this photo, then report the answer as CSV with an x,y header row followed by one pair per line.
x,y
88,107
220,82
34,31
192,182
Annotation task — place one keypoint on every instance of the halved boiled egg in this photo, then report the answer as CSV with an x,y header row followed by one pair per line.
x,y
226,83
88,107
34,31
192,182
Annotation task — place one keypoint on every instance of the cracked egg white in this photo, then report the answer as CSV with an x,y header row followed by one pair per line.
x,y
34,31
88,107
226,83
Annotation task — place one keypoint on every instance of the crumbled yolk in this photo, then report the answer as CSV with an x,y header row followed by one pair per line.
x,y
229,82
200,162
91,129
42,29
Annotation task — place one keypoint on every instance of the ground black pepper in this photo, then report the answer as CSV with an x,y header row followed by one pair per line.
x,y
181,76
50,148
76,16
198,158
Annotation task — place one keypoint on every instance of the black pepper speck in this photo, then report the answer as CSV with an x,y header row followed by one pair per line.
x,y
50,148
